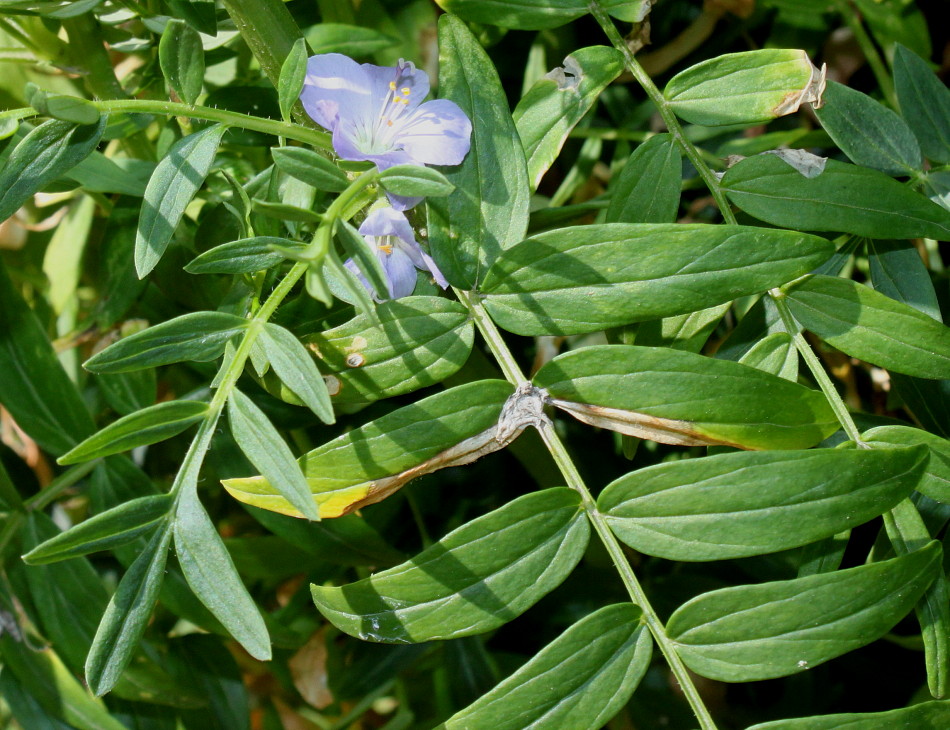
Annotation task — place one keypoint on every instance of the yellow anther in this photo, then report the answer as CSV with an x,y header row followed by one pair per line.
x,y
405,90
392,85
389,122
386,248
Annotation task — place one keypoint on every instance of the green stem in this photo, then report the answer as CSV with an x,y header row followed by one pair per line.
x,y
277,128
817,370
574,480
59,485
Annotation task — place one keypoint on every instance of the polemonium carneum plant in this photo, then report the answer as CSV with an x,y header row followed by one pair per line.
x,y
393,241
377,113
670,501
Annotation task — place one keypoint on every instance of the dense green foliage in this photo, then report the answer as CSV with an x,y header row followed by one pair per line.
x,y
657,436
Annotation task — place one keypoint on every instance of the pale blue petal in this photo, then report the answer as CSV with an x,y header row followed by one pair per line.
x,y
405,76
388,222
336,87
437,133
400,273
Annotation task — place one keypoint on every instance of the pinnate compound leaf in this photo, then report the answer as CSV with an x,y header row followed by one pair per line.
x,y
935,482
925,103
781,628
198,336
182,59
173,184
127,615
686,399
751,87
244,256
647,190
369,463
868,132
925,716
295,367
557,102
120,525
408,344
210,572
311,168
488,210
580,680
147,426
871,326
741,504
46,153
475,579
588,278
268,452
844,198
539,14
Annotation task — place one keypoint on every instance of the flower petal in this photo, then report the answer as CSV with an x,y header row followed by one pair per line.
x,y
405,76
336,86
437,133
388,222
400,273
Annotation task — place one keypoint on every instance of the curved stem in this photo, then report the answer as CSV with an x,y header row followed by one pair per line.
x,y
277,128
574,480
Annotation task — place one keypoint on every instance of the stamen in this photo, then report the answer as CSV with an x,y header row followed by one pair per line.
x,y
392,85
386,248
405,90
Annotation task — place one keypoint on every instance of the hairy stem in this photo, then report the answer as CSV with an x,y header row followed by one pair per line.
x,y
277,128
574,480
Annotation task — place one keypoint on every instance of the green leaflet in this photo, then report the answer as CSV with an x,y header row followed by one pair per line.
x,y
309,167
784,627
42,156
256,436
647,190
540,14
294,366
212,576
776,354
476,578
147,426
557,102
367,464
871,326
868,132
580,680
120,525
682,398
351,40
293,71
897,271
925,103
127,615
415,180
34,387
751,87
588,278
408,344
244,256
198,336
935,482
176,180
182,60
741,504
844,198
925,716
488,211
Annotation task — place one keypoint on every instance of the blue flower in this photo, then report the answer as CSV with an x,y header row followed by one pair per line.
x,y
376,113
388,232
